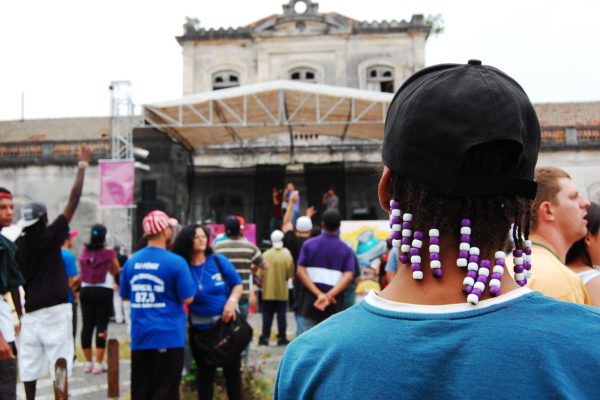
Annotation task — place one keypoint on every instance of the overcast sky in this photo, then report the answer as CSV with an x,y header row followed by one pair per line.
x,y
63,54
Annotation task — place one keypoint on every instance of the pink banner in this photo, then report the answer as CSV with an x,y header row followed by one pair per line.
x,y
117,182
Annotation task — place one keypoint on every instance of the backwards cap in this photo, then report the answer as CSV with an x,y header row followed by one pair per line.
x,y
156,221
442,111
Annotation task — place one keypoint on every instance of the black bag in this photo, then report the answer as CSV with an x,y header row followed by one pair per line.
x,y
222,343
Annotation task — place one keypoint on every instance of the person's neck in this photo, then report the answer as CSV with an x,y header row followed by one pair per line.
x,y
437,291
553,240
157,242
198,258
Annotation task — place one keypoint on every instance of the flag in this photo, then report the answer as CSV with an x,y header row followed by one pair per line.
x,y
117,182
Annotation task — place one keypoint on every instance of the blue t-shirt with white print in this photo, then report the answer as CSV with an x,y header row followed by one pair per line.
x,y
156,282
212,288
521,345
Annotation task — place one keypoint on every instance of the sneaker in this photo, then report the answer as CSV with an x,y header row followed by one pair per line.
x,y
283,342
99,368
87,367
263,342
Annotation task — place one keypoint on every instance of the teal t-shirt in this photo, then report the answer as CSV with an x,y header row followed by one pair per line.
x,y
527,347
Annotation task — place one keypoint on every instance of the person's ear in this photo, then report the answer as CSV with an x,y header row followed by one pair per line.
x,y
385,189
588,239
545,212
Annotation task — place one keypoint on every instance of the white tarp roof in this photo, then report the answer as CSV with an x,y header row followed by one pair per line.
x,y
252,111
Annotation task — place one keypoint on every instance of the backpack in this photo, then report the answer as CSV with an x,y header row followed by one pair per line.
x,y
94,264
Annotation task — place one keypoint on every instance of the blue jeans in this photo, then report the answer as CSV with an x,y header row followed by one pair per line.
x,y
305,324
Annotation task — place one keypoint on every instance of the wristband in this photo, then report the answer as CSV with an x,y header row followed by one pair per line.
x,y
82,164
234,301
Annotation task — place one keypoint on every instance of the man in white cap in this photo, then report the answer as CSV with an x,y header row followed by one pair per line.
x,y
275,288
46,327
158,283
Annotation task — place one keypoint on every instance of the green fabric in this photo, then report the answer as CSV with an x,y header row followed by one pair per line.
x,y
10,273
280,269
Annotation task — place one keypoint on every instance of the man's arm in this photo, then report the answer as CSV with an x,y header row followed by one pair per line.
x,y
5,349
287,217
341,285
323,299
84,157
15,294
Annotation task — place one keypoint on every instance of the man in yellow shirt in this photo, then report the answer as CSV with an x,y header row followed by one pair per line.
x,y
557,221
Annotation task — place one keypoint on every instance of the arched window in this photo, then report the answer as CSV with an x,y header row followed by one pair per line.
x,y
380,79
303,74
225,79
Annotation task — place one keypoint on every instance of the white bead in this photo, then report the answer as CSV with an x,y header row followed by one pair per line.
x,y
527,258
519,277
527,243
396,228
435,264
417,243
405,248
495,282
461,262
464,246
465,230
407,217
484,271
473,299
396,212
473,266
469,281
479,285
391,202
499,269
434,248
528,274
518,260
434,233
415,259
418,275
474,251
396,242
406,233
500,255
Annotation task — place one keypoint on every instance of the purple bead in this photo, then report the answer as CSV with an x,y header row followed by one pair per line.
x,y
465,222
472,274
496,275
465,239
437,272
419,235
395,205
467,289
415,267
518,269
396,235
463,254
406,240
396,220
482,279
485,264
434,240
528,251
517,253
474,258
389,241
414,251
434,256
404,259
476,292
527,266
495,291
500,261
406,225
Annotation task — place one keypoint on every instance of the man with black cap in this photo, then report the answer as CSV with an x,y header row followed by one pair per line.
x,y
325,268
246,258
460,148
46,329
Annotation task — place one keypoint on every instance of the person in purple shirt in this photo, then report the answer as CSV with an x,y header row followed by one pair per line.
x,y
325,267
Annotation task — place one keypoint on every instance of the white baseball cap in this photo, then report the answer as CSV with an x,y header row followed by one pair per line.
x,y
277,239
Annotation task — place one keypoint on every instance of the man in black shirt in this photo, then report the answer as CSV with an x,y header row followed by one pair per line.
x,y
46,331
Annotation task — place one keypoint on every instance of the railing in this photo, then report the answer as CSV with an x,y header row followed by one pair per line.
x,y
556,137
47,152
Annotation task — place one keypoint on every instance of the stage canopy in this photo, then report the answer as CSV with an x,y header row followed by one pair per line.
x,y
253,111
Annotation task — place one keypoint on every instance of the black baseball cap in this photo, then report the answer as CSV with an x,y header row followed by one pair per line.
x,y
232,226
443,111
31,213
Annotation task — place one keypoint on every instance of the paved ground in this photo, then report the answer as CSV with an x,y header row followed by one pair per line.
x,y
263,359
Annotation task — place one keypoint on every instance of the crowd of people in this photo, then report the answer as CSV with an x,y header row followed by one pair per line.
x,y
511,252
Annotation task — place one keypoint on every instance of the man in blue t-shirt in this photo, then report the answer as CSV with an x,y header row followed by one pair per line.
x,y
158,283
72,274
325,267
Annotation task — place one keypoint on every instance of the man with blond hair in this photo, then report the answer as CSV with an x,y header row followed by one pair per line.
x,y
557,221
